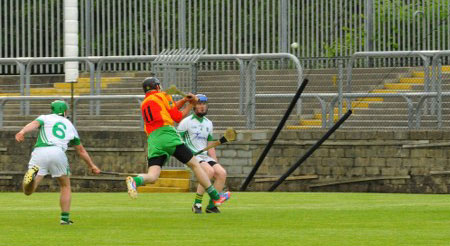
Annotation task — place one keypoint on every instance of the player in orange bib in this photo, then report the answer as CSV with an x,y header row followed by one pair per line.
x,y
160,112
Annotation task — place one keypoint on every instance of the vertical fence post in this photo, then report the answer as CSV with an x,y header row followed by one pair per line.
x,y
98,85
433,85
340,86
22,86
252,95
91,66
427,81
368,23
182,24
439,92
242,85
283,38
1,113
87,27
194,69
27,86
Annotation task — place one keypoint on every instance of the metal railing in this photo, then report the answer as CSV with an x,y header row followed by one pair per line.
x,y
415,112
68,99
429,101
247,63
432,79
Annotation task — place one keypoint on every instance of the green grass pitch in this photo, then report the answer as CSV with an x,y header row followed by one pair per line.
x,y
247,219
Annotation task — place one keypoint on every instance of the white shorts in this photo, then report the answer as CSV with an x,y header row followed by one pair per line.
x,y
51,160
205,158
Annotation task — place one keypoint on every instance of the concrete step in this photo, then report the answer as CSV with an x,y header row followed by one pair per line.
x,y
388,124
402,117
179,174
171,182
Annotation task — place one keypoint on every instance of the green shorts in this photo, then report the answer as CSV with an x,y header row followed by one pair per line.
x,y
163,142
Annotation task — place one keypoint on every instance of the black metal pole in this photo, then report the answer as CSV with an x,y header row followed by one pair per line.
x,y
275,134
311,150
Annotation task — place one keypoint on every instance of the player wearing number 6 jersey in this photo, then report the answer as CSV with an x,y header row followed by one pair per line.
x,y
159,112
48,156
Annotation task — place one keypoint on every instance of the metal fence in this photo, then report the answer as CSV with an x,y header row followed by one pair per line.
x,y
428,105
323,29
386,97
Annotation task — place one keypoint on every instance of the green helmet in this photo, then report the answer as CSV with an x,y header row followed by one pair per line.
x,y
59,107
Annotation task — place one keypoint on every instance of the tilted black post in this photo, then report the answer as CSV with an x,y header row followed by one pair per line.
x,y
311,150
275,134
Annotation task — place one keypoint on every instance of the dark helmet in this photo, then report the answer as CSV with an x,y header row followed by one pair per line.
x,y
150,83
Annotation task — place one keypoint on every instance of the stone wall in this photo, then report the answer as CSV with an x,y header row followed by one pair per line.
x,y
356,161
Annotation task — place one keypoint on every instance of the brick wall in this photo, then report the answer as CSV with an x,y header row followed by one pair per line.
x,y
382,161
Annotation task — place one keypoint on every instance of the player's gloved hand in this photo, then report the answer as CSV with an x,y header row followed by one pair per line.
x,y
191,98
20,136
95,169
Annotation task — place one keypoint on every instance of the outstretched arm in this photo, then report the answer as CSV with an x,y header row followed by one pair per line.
x,y
212,151
175,112
188,98
20,136
81,151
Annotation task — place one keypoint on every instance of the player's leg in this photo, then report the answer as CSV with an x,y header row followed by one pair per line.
x,y
154,170
220,176
183,154
59,168
30,188
197,206
37,169
65,199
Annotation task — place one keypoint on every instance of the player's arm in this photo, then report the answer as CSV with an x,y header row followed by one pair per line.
x,y
81,151
20,136
175,112
188,98
212,151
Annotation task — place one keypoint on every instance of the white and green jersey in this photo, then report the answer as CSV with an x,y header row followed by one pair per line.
x,y
56,130
196,132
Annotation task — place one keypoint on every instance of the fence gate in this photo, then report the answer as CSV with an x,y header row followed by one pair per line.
x,y
178,67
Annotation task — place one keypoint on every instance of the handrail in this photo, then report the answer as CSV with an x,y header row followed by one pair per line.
x,y
24,64
329,109
76,99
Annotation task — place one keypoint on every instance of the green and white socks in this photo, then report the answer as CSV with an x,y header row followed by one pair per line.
x,y
198,198
212,192
65,217
139,180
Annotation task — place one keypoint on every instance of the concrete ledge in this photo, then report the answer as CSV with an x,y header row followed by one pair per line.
x,y
304,177
360,180
426,145
3,149
340,143
439,172
97,178
93,149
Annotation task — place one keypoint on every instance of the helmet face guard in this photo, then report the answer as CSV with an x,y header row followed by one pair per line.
x,y
151,83
59,107
203,100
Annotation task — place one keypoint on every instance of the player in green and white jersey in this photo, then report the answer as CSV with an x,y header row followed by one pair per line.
x,y
196,131
49,157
